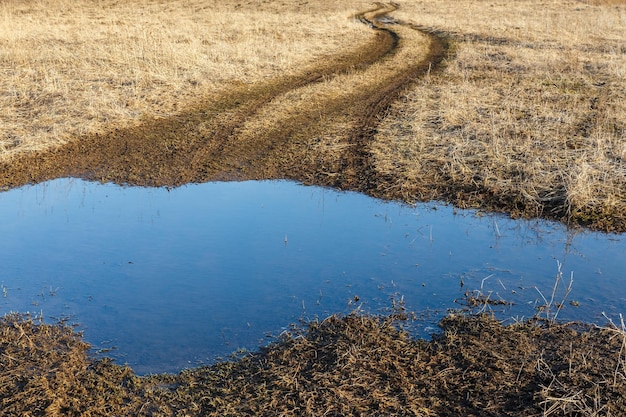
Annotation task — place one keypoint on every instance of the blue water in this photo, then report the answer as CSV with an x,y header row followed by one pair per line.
x,y
175,278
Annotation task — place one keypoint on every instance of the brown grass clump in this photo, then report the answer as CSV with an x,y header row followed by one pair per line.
x,y
528,116
45,370
344,365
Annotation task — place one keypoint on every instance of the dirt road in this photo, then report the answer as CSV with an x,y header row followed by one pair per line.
x,y
243,134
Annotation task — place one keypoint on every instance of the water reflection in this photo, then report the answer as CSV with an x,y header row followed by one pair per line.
x,y
176,277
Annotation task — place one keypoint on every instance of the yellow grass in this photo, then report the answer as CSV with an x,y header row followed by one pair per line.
x,y
532,107
73,67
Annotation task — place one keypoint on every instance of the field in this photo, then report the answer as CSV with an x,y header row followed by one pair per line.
x,y
525,116
71,68
529,117
511,106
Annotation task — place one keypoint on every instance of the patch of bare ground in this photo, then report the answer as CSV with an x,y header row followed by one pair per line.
x,y
528,117
344,365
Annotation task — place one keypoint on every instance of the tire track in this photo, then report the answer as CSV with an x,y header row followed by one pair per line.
x,y
289,141
209,142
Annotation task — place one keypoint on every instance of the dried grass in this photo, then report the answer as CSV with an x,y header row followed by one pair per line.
x,y
588,396
70,68
45,370
344,365
528,116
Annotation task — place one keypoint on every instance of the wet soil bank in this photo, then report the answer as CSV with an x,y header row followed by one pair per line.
x,y
345,365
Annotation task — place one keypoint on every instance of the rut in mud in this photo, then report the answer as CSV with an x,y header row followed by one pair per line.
x,y
210,141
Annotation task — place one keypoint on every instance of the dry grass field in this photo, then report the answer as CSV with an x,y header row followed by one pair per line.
x,y
69,68
529,114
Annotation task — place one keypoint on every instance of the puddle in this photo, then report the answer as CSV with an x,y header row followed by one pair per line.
x,y
175,278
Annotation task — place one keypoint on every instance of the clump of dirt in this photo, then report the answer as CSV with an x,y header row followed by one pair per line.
x,y
344,365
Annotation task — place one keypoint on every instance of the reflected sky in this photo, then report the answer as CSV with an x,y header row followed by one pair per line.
x,y
174,278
